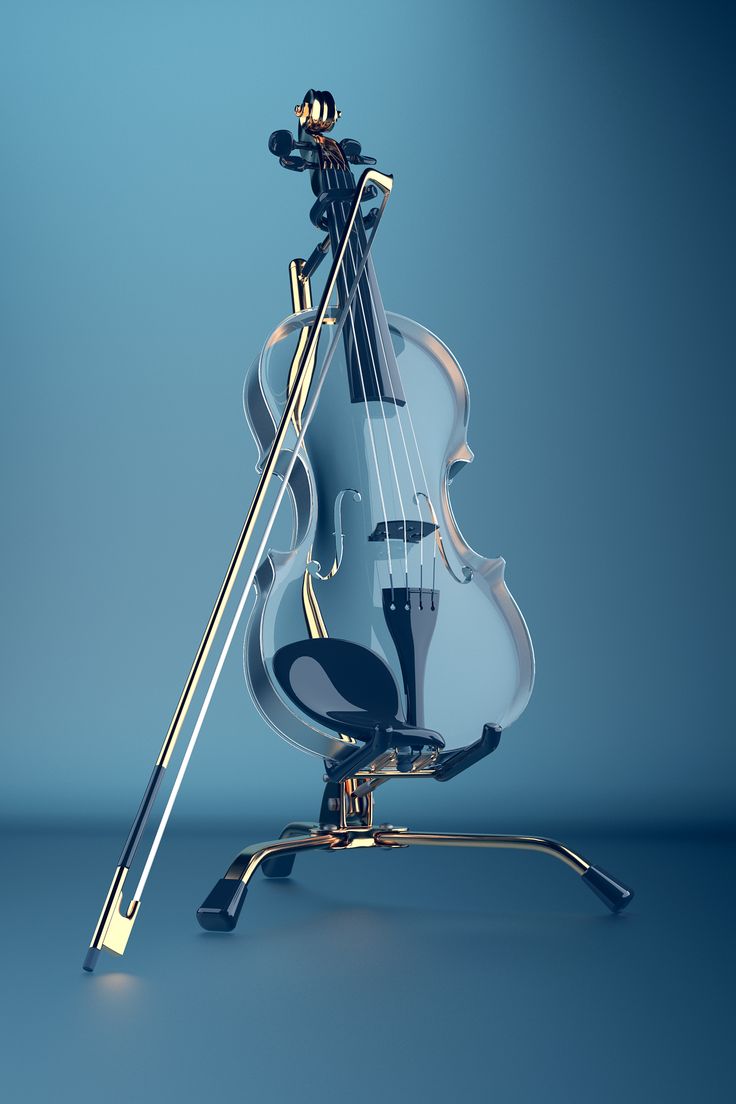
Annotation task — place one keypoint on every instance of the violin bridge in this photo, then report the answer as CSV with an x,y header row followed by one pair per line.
x,y
405,529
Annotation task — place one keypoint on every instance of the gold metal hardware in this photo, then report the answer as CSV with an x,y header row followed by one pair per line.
x,y
312,613
301,300
355,805
113,928
317,115
317,112
301,287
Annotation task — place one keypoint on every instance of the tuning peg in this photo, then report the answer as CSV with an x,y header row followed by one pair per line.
x,y
296,164
281,143
351,149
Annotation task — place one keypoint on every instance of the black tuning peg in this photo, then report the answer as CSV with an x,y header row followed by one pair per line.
x,y
281,143
351,148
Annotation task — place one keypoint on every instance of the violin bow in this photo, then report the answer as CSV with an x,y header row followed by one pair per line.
x,y
114,926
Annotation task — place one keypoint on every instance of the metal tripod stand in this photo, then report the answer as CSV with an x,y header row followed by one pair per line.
x,y
346,821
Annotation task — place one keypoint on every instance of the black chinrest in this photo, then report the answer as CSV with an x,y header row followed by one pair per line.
x,y
349,689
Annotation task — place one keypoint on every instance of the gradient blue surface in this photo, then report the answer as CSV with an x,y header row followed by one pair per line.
x,y
563,219
394,977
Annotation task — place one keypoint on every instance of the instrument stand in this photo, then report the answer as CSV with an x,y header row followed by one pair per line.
x,y
346,821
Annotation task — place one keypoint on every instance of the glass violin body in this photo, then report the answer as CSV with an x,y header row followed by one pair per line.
x,y
376,559
376,555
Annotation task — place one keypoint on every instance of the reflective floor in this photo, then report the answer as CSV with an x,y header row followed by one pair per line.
x,y
416,975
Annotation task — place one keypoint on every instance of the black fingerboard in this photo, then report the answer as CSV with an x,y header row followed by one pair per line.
x,y
369,352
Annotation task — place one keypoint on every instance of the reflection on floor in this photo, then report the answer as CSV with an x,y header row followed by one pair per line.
x,y
407,976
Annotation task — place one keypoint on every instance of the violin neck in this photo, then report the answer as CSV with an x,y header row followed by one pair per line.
x,y
371,361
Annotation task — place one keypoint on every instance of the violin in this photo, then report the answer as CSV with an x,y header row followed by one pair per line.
x,y
378,640
377,558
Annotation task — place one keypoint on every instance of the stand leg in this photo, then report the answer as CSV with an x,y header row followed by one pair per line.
x,y
614,894
221,909
281,866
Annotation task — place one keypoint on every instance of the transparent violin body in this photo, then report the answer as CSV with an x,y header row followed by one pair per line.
x,y
376,555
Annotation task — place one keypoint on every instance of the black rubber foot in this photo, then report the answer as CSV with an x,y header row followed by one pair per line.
x,y
280,866
221,910
90,960
613,894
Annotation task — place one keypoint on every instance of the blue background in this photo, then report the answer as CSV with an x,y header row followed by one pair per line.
x,y
563,218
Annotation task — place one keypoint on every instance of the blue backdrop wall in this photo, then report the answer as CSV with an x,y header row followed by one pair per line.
x,y
562,217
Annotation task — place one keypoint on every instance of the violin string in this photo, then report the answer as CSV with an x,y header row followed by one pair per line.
x,y
399,412
407,408
373,449
343,277
387,432
385,425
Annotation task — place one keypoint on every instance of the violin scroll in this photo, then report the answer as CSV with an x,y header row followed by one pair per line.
x,y
317,115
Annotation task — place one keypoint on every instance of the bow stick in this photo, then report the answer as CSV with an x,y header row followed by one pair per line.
x,y
113,928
